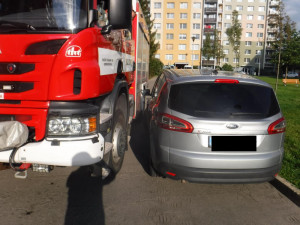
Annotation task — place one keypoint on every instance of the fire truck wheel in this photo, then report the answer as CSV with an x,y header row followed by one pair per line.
x,y
119,134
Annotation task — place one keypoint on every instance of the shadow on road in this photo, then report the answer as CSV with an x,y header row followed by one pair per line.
x,y
139,142
85,201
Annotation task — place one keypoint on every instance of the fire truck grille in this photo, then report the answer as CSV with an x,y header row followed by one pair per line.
x,y
15,68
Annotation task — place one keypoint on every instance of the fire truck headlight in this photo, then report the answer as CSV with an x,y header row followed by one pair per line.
x,y
72,126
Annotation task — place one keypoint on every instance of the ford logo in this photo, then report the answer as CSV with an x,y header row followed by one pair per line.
x,y
232,126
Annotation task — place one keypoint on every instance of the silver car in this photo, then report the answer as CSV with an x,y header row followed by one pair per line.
x,y
215,128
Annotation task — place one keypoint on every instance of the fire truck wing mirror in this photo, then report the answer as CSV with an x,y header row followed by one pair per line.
x,y
93,17
120,12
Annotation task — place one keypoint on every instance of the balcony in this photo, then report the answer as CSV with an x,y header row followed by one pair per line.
x,y
272,30
273,12
210,9
274,3
208,62
210,20
209,30
211,1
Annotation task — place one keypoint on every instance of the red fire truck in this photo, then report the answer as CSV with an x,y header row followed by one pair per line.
x,y
72,74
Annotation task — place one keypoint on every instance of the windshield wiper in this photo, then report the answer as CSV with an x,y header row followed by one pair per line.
x,y
17,25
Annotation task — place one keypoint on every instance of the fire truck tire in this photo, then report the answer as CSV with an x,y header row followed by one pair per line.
x,y
119,134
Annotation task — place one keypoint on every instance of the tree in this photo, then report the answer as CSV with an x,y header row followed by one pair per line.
x,y
207,50
234,34
154,46
217,48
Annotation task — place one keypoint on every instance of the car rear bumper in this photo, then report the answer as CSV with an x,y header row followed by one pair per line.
x,y
63,152
219,175
221,167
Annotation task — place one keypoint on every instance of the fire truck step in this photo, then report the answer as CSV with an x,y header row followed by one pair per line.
x,y
104,117
108,147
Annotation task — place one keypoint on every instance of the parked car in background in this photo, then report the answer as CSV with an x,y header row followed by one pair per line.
x,y
214,128
188,67
291,75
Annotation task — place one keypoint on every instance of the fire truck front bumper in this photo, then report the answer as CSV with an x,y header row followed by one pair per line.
x,y
59,152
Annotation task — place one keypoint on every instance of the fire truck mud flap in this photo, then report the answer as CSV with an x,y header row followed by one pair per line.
x,y
59,152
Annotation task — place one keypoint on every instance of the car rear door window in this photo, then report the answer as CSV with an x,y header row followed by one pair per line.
x,y
225,101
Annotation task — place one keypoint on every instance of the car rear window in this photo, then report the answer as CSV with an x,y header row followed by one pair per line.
x,y
226,101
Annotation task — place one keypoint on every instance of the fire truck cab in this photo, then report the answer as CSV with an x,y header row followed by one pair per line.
x,y
71,77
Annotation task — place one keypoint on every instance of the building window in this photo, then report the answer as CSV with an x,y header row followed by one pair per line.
x,y
250,8
225,43
157,5
197,5
239,17
195,57
239,8
169,46
196,15
249,25
260,35
170,26
247,52
169,57
259,43
157,26
183,5
261,17
249,17
248,43
170,5
260,26
227,25
225,60
182,36
236,60
195,47
225,51
257,60
182,57
157,36
248,34
196,26
228,7
246,60
261,8
183,26
170,36
197,36
157,15
183,15
182,47
258,52
250,0
170,15
228,16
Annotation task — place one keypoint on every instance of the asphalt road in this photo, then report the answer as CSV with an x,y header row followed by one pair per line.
x,y
70,196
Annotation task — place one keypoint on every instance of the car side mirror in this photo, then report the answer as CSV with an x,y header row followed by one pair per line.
x,y
93,17
146,92
106,29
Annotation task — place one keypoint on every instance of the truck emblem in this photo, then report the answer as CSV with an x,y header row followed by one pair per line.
x,y
0,52
11,68
232,126
73,51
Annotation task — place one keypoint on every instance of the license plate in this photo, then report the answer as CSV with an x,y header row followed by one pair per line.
x,y
232,143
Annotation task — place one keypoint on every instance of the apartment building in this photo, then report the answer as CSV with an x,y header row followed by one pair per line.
x,y
179,27
182,26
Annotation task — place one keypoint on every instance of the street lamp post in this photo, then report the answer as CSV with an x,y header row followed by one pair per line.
x,y
193,39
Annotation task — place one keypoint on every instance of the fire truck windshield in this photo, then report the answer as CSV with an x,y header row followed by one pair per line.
x,y
39,16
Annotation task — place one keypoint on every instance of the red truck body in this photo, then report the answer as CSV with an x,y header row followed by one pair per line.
x,y
64,73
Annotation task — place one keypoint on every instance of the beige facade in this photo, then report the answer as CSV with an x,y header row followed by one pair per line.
x,y
177,21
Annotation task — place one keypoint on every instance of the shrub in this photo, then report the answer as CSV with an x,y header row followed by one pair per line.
x,y
227,67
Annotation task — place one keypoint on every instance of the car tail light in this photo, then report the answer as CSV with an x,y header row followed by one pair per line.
x,y
277,127
170,122
226,81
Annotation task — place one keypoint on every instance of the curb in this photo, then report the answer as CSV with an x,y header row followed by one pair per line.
x,y
287,189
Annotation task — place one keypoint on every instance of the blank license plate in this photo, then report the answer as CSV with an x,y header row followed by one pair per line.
x,y
232,143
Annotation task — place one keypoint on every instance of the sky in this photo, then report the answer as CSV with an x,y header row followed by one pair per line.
x,y
292,8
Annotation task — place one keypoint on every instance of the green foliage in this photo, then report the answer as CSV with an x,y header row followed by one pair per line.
x,y
155,67
207,47
153,44
234,34
289,100
227,67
